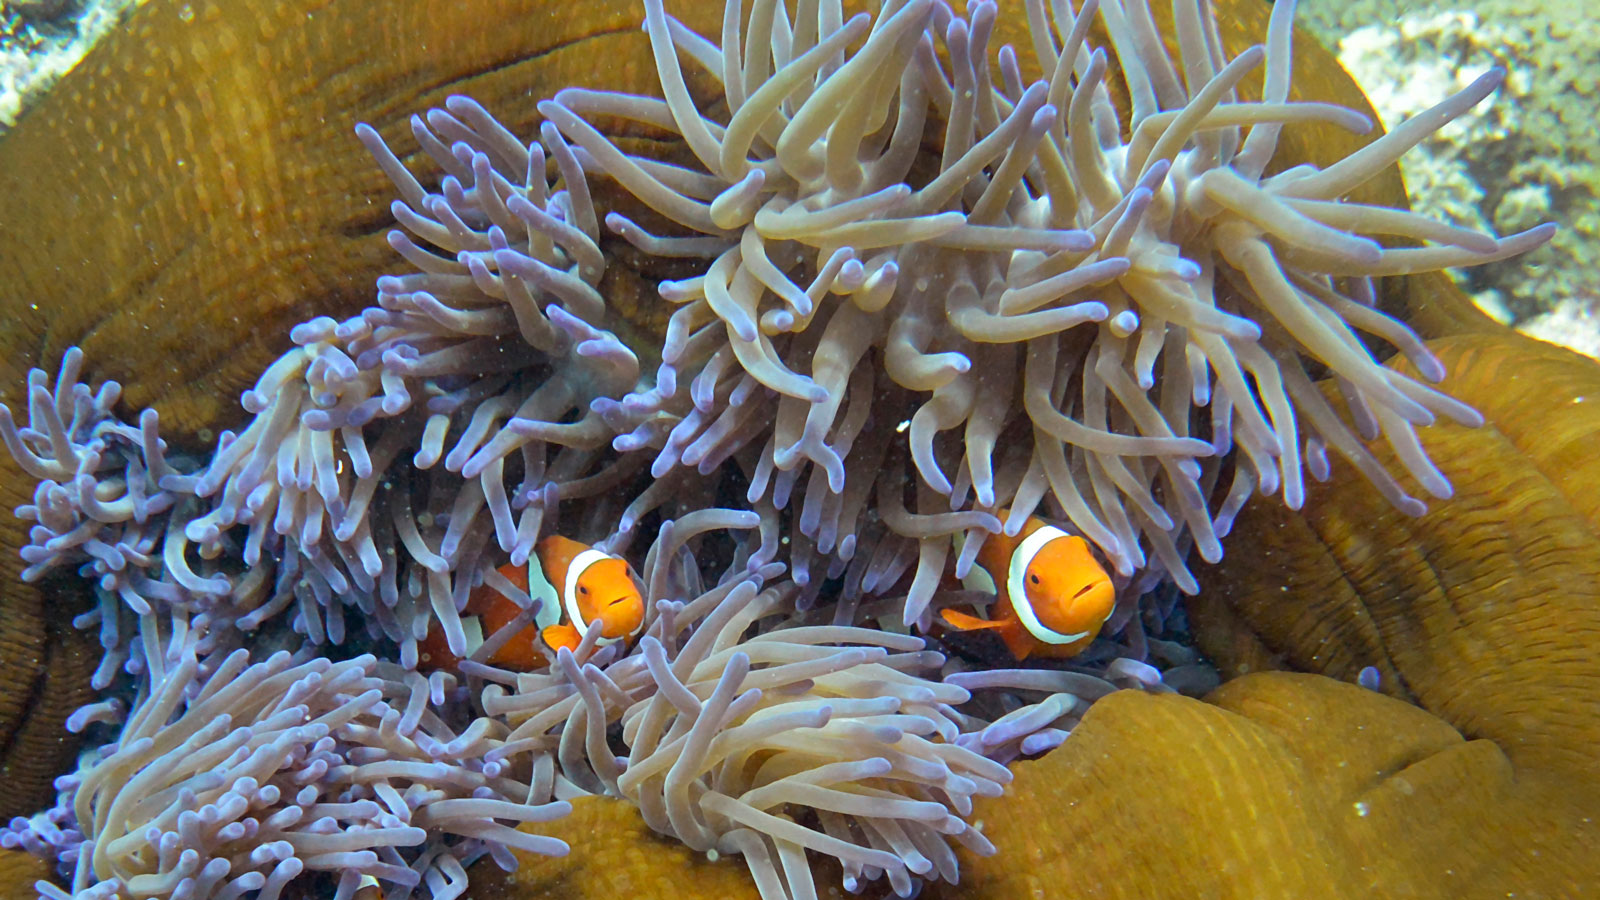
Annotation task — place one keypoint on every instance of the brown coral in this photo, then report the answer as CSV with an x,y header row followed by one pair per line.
x,y
1486,610
618,856
18,872
45,664
1283,785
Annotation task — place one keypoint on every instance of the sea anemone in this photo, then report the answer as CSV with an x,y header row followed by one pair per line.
x,y
1058,310
749,729
1096,311
110,503
244,780
388,450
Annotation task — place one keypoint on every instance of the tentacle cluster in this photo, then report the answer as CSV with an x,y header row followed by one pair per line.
x,y
240,781
389,453
1065,304
749,727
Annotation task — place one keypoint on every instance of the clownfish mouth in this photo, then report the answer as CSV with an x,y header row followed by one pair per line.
x,y
615,611
1086,589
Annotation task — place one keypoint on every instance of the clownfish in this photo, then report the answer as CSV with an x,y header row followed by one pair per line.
x,y
1065,593
580,588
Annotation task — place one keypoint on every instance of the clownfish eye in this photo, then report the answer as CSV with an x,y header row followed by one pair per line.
x,y
1034,577
582,589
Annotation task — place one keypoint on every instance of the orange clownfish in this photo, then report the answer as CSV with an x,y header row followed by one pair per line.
x,y
1067,595
580,588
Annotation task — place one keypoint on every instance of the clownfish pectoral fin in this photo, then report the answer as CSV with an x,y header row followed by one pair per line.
x,y
558,636
963,622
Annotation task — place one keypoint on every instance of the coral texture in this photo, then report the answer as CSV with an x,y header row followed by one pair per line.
x,y
1485,610
18,872
621,857
1531,158
1307,788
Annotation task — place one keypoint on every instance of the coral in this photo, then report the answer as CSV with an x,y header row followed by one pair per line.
x,y
18,872
1485,610
47,666
1321,789
620,857
1529,157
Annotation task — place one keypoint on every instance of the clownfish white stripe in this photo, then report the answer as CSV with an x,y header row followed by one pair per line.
x,y
1017,586
569,590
